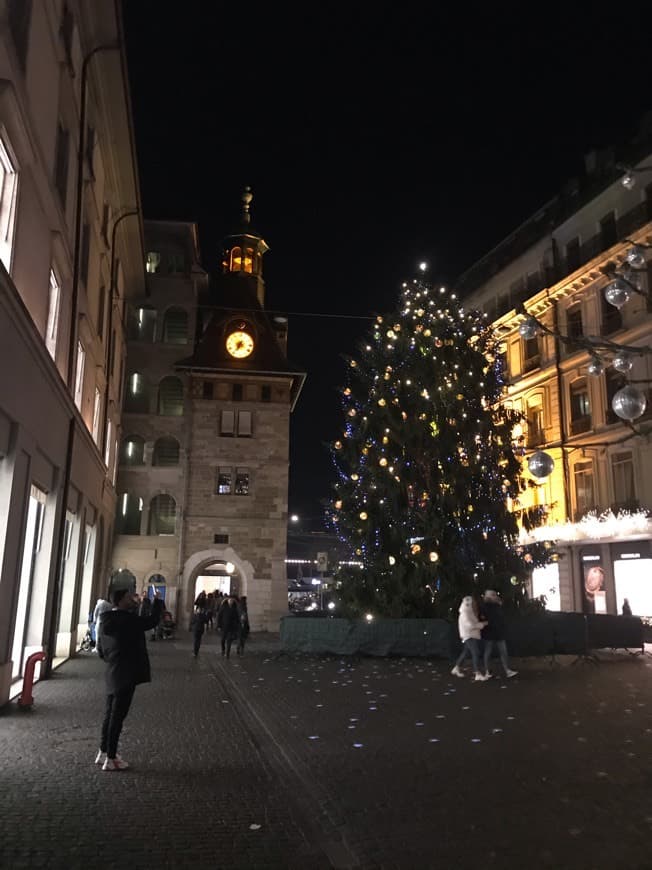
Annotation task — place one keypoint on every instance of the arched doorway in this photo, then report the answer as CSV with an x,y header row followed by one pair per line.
x,y
218,568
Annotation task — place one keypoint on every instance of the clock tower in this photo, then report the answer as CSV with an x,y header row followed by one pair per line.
x,y
241,391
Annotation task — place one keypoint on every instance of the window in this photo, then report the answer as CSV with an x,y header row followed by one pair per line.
x,y
137,397
224,481
106,215
132,451
584,496
97,407
79,375
235,260
166,452
19,13
175,326
112,357
531,354
107,445
266,393
170,397
8,196
227,423
61,156
614,381
129,515
622,466
573,260
153,262
142,324
220,539
101,305
207,389
66,30
608,233
612,319
176,262
244,424
237,392
535,425
580,407
162,515
85,253
241,481
52,327
574,326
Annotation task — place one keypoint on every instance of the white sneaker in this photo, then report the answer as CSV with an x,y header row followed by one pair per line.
x,y
481,678
509,673
100,758
456,672
115,764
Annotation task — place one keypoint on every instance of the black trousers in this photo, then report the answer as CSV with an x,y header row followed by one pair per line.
x,y
117,707
196,643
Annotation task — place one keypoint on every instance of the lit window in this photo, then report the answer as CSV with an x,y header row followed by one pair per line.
x,y
235,261
248,260
584,493
52,327
8,195
224,481
137,398
97,404
129,515
241,481
79,375
107,446
153,262
133,451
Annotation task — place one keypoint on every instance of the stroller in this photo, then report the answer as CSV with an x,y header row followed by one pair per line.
x,y
165,629
88,641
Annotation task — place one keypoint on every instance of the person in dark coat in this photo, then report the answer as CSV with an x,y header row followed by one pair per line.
x,y
627,610
494,632
121,643
200,600
228,622
197,627
243,627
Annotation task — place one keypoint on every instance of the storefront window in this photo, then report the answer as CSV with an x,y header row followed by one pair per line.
x,y
632,579
545,586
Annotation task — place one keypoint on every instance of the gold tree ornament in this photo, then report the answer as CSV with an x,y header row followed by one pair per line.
x,y
382,461
434,557
363,515
415,548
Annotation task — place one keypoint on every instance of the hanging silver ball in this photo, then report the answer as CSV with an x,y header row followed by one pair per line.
x,y
617,293
628,180
636,257
629,403
596,367
528,329
623,362
540,464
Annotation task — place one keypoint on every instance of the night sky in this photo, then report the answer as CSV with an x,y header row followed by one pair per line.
x,y
373,136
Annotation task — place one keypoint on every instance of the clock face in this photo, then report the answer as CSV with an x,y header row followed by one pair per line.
x,y
239,344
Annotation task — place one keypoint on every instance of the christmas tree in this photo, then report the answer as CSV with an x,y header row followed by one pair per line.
x,y
425,463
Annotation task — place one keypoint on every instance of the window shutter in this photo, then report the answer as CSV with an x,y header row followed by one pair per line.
x,y
227,423
244,424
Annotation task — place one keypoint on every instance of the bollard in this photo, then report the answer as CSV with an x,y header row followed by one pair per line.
x,y
26,699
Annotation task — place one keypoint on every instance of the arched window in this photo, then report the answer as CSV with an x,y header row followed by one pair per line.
x,y
136,394
235,259
132,450
142,324
166,452
535,420
162,515
248,260
175,326
170,397
129,513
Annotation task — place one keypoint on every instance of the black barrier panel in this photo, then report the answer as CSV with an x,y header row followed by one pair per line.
x,y
608,631
547,634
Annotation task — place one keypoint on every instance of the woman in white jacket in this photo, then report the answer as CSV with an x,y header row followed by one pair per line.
x,y
469,627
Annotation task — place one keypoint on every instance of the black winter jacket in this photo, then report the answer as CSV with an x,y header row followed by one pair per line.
x,y
492,611
121,643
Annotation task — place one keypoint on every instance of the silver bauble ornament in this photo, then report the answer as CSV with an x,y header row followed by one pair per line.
x,y
528,329
636,257
540,464
623,363
596,367
629,403
633,277
617,293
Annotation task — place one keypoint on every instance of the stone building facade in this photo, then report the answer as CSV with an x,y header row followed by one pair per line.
x,y
207,509
71,253
593,506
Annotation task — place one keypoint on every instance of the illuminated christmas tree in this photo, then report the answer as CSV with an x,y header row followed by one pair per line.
x,y
425,462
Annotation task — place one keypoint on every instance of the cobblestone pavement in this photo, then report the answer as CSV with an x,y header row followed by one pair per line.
x,y
274,761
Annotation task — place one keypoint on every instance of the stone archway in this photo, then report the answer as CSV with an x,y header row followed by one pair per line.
x,y
199,560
